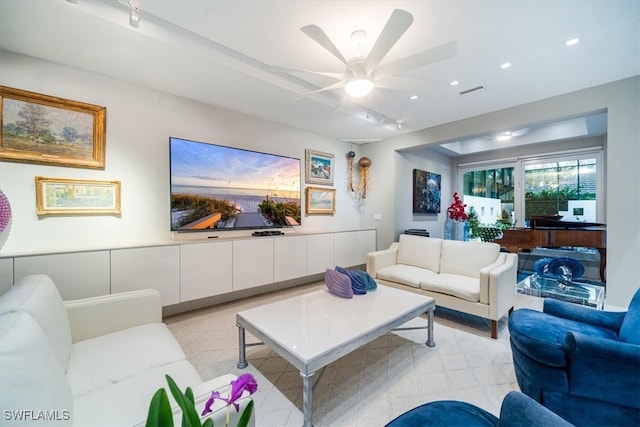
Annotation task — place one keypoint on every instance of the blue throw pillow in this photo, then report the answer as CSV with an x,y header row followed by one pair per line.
x,y
371,284
358,281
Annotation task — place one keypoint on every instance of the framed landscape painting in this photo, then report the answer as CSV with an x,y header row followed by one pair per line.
x,y
426,192
61,196
320,200
319,167
49,130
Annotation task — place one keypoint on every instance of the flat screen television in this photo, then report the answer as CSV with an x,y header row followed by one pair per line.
x,y
216,188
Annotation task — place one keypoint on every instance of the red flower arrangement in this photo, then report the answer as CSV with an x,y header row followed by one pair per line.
x,y
456,210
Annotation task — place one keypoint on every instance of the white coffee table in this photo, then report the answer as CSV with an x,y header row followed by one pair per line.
x,y
313,330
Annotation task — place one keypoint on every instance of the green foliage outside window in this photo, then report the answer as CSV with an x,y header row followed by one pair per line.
x,y
474,223
551,201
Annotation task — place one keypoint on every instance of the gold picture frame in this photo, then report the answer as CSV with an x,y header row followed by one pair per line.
x,y
320,200
62,196
319,167
36,128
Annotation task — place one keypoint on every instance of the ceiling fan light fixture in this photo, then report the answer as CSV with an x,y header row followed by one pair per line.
x,y
358,87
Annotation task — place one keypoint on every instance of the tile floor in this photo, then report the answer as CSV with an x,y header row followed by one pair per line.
x,y
369,386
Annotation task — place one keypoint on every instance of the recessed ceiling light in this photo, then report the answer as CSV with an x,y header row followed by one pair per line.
x,y
572,41
505,65
413,97
454,83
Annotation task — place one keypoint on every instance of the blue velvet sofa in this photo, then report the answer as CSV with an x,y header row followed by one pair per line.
x,y
582,363
517,410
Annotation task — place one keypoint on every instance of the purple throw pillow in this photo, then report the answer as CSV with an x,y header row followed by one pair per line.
x,y
338,284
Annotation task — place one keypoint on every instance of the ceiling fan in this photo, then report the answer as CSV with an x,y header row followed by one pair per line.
x,y
363,73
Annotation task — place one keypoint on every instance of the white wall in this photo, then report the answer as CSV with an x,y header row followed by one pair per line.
x,y
426,160
488,209
139,123
620,99
588,207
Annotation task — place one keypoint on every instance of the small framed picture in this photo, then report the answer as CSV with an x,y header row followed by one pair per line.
x,y
48,130
319,167
320,200
60,196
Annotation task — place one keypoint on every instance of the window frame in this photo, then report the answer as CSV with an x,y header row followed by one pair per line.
x,y
519,163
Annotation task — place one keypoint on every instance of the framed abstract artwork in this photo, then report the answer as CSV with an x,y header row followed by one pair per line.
x,y
319,167
61,196
49,130
426,192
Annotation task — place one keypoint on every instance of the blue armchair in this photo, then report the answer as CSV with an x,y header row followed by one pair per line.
x,y
581,363
517,410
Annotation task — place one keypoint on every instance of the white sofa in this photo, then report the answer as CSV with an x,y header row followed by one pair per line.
x,y
94,361
471,277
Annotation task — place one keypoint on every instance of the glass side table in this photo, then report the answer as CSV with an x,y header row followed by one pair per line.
x,y
577,292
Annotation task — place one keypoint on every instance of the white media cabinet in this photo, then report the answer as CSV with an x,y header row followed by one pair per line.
x,y
190,271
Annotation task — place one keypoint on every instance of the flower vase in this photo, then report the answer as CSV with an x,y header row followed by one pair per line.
x,y
456,230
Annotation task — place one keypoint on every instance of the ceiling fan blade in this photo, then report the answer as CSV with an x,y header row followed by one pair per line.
x,y
398,23
401,83
277,69
335,85
323,40
520,132
418,60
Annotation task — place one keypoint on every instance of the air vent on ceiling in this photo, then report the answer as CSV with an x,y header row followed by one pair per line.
x,y
473,89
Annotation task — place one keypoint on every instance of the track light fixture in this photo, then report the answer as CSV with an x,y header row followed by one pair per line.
x,y
134,15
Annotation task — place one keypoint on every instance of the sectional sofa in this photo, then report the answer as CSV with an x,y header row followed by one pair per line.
x,y
471,277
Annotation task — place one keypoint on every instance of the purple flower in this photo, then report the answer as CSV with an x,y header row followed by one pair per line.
x,y
243,382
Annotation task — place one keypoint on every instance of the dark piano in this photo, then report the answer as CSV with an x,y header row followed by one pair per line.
x,y
560,233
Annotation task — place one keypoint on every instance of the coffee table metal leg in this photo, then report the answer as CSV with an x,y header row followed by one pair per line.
x,y
242,360
430,341
307,399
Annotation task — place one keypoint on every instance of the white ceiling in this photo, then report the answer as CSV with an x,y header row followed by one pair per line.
x,y
221,53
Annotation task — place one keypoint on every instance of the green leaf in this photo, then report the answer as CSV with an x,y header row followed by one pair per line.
x,y
190,398
189,394
246,415
208,423
160,414
190,416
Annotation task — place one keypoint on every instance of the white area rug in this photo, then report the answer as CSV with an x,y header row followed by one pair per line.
x,y
368,387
